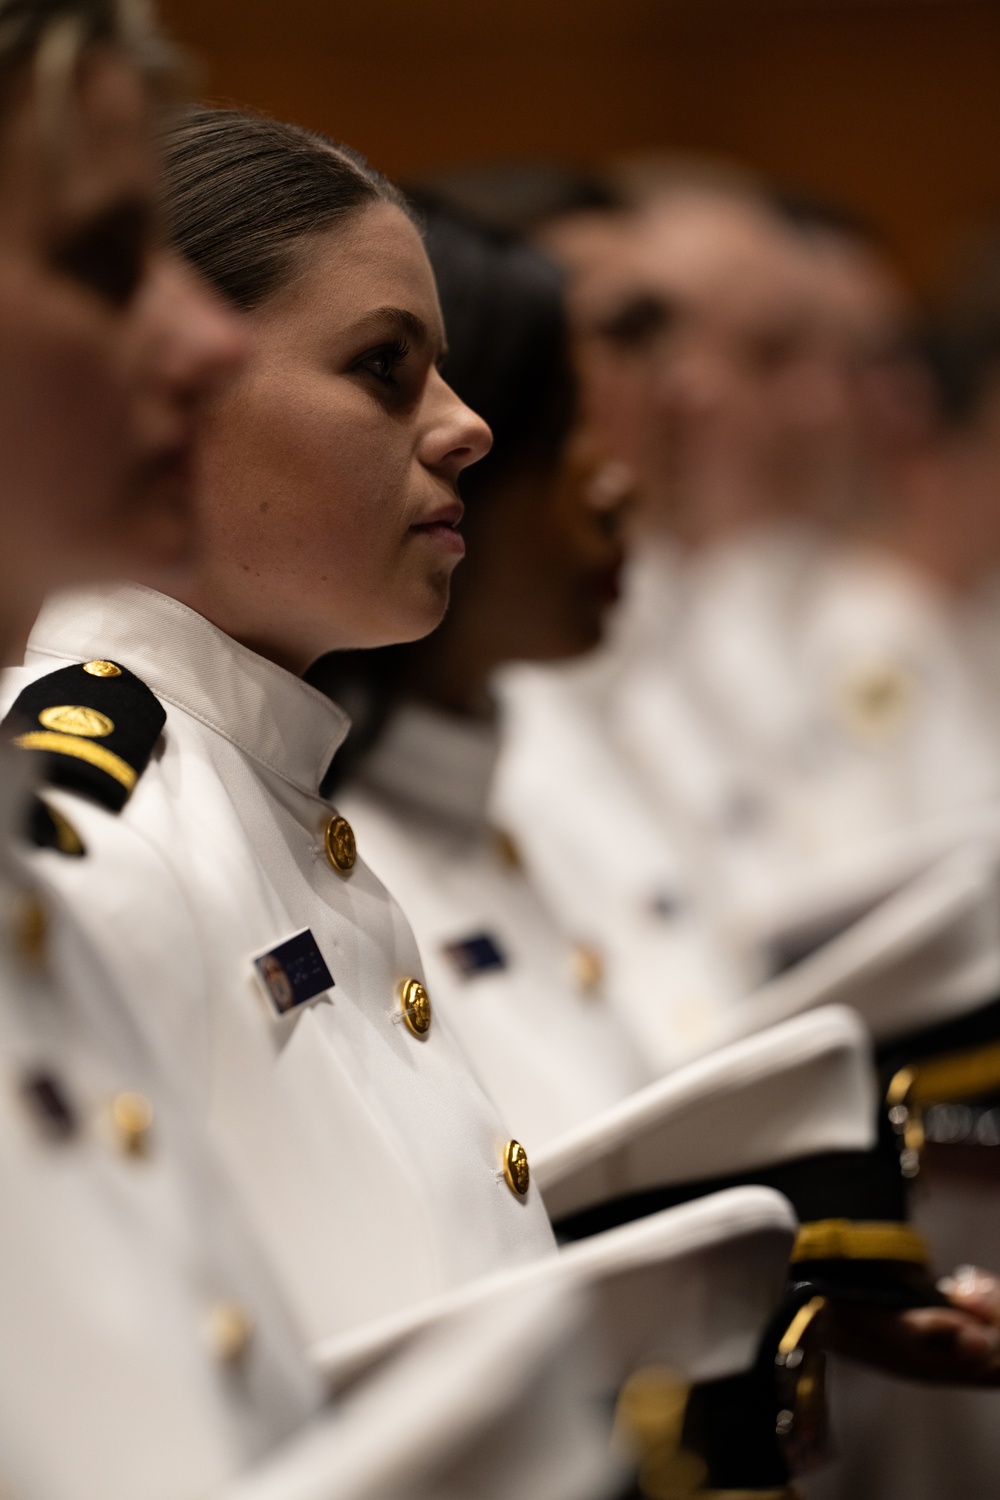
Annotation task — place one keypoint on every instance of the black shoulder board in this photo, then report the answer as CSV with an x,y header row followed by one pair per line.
x,y
95,724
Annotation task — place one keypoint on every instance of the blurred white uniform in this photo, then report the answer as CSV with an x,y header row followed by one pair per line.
x,y
832,703
395,1143
527,1006
622,870
978,620
145,1348
794,715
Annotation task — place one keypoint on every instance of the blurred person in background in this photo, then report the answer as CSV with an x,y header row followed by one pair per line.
x,y
702,367
942,471
802,631
823,666
785,707
920,587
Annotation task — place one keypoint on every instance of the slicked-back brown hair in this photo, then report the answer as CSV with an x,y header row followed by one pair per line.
x,y
243,191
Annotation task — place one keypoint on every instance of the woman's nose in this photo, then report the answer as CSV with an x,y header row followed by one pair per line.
x,y
459,436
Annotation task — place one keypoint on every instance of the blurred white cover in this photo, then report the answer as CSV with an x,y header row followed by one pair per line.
x,y
803,1087
494,1402
691,1288
928,953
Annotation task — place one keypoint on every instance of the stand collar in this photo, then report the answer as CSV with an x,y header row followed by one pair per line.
x,y
272,716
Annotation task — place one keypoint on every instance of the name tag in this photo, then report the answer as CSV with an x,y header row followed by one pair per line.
x,y
476,955
293,972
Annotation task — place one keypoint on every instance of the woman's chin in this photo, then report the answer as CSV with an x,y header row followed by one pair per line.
x,y
422,618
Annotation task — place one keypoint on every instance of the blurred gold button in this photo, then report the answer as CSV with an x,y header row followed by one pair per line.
x,y
515,1168
876,701
506,849
416,1006
340,843
132,1121
588,968
228,1329
102,669
30,929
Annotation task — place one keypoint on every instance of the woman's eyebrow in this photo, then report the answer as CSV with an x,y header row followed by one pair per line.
x,y
387,321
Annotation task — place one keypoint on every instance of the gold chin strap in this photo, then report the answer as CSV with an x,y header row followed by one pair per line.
x,y
845,1239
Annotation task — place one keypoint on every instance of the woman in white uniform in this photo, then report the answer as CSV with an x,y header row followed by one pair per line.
x,y
328,508
527,1001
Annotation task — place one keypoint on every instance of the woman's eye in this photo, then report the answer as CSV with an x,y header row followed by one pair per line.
x,y
108,254
381,365
384,362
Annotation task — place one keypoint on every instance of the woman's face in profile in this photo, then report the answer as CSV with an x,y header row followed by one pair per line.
x,y
329,470
105,343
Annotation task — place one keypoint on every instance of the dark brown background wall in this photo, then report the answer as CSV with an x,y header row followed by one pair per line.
x,y
892,106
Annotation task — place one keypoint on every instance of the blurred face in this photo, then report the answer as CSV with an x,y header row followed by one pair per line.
x,y
971,501
545,554
860,311
106,348
329,476
580,550
697,348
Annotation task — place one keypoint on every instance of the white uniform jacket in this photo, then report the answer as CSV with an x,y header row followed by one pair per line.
x,y
527,1003
396,1145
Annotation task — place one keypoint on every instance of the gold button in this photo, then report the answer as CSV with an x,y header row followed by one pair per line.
x,y
588,968
228,1330
507,851
132,1120
73,718
876,701
340,843
515,1168
30,929
102,669
416,1004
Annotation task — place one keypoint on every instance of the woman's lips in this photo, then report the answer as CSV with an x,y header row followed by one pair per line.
x,y
445,536
441,528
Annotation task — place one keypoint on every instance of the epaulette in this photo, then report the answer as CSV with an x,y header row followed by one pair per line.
x,y
95,723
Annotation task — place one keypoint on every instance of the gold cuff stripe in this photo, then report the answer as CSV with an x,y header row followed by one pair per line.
x,y
962,1075
845,1239
95,755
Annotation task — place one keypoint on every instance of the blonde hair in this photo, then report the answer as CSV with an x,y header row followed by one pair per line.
x,y
44,40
